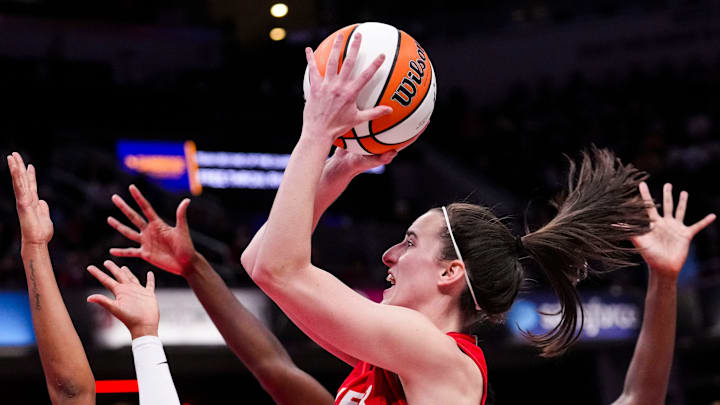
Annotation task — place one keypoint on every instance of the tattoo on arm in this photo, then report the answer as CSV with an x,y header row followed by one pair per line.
x,y
34,286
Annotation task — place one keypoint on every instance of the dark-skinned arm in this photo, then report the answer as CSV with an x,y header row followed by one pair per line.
x,y
67,372
171,249
664,249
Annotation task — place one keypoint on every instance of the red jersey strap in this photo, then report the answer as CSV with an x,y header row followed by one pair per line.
x,y
468,344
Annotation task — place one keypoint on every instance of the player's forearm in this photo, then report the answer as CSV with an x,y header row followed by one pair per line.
x,y
309,186
66,367
333,181
647,377
248,338
251,341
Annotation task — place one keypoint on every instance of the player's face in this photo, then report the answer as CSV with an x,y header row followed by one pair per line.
x,y
413,265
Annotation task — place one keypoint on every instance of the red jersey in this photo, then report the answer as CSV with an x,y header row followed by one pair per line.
x,y
370,385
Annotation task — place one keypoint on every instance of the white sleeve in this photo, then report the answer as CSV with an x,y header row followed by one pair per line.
x,y
153,374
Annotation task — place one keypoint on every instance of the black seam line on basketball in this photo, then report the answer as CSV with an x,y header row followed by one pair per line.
x,y
387,81
364,148
392,68
411,112
357,140
393,144
347,43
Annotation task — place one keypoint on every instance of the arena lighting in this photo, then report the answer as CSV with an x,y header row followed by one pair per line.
x,y
179,166
279,10
277,34
607,317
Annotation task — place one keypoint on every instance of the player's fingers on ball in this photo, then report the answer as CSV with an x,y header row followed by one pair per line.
x,y
334,58
352,55
367,74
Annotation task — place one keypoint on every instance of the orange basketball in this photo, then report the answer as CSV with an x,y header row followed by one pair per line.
x,y
405,81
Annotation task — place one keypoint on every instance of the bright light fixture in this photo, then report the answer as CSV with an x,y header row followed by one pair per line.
x,y
277,34
279,10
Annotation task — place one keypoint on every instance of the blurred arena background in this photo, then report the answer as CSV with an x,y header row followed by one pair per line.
x,y
86,85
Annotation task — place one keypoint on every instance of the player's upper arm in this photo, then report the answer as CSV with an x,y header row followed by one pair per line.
x,y
395,338
331,348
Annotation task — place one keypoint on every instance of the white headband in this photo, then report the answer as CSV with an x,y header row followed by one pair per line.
x,y
457,252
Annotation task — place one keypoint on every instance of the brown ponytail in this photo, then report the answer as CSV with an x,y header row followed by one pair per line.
x,y
600,208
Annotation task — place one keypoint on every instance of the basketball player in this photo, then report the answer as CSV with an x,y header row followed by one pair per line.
x,y
67,372
664,249
456,265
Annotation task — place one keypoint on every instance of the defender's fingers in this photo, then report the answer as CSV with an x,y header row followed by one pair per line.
x,y
313,72
150,285
145,206
103,301
126,252
181,215
119,275
331,68
682,206
667,200
18,179
367,74
20,162
129,274
44,208
32,182
130,213
701,224
351,57
649,203
107,281
124,230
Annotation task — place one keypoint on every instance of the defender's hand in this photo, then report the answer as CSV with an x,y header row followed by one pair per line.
x,y
666,246
34,214
134,305
169,248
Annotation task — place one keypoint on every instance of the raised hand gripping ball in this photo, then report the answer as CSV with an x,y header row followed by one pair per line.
x,y
405,81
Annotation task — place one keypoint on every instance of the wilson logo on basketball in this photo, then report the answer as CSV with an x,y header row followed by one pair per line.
x,y
408,87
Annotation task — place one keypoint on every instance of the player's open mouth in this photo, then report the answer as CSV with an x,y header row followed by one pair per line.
x,y
390,279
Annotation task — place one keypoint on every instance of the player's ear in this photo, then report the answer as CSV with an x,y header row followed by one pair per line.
x,y
451,274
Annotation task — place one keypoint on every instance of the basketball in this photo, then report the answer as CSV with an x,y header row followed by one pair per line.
x,y
405,81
